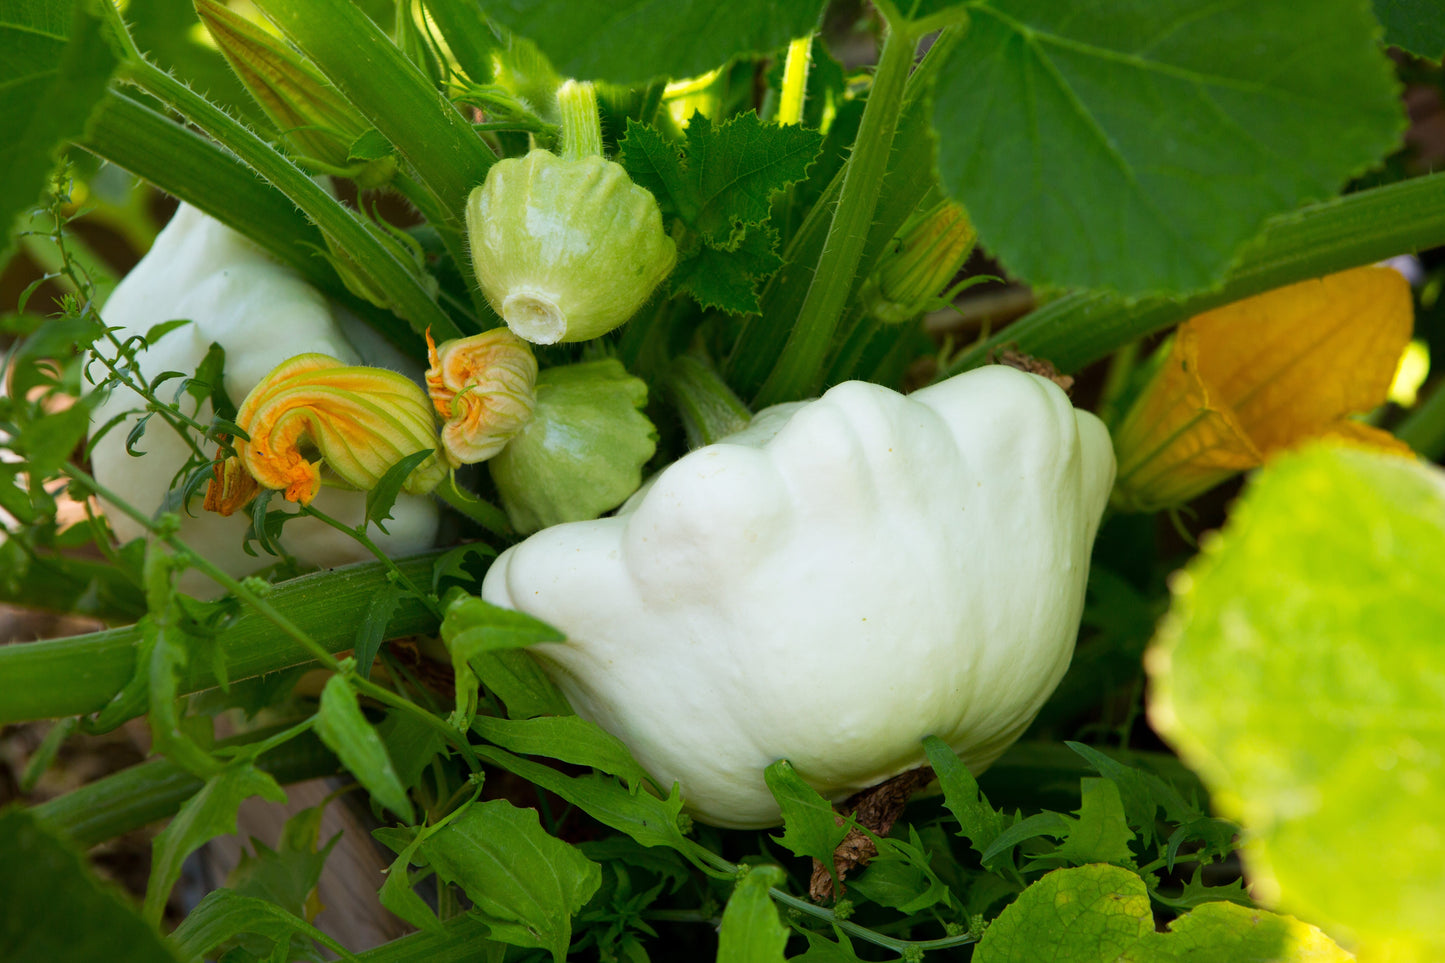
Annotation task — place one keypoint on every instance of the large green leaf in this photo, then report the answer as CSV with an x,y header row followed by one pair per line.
x,y
1089,914
811,827
1414,25
1301,672
54,67
751,931
52,907
1137,148
633,41
1228,932
346,732
527,883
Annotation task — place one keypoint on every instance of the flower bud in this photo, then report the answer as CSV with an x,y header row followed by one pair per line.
x,y
483,387
1240,383
314,119
567,248
928,251
582,452
361,420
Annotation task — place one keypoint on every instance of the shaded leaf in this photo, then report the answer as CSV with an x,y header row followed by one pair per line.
x,y
527,883
633,41
345,731
567,738
381,498
54,67
1413,25
752,931
729,280
226,914
979,822
811,827
206,815
1140,147
53,907
372,631
1100,834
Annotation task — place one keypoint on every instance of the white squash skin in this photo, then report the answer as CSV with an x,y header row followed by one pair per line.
x,y
883,569
261,313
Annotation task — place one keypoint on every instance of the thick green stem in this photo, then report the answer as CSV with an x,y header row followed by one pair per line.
x,y
709,409
799,368
1424,428
795,81
1357,229
386,272
153,790
79,675
581,125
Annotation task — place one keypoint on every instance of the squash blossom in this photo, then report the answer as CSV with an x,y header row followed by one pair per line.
x,y
360,420
927,253
1243,382
484,388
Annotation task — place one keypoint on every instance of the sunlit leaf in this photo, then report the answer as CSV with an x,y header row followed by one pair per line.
x,y
751,930
1226,931
1301,672
1088,914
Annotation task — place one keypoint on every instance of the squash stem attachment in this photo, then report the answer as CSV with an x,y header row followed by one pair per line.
x,y
709,409
581,126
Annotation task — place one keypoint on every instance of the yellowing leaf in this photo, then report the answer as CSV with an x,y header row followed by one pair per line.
x,y
1252,378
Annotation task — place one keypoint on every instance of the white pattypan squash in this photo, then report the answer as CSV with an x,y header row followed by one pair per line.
x,y
261,313
830,585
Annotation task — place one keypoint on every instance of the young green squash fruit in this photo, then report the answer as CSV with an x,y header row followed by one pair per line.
x,y
830,585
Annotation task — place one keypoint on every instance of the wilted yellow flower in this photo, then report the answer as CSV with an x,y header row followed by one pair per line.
x,y
1252,378
361,421
484,388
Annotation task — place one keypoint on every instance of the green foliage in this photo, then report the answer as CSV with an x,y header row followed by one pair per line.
x,y
1057,122
225,915
751,931
526,884
1413,25
1088,914
719,184
91,922
56,67
810,826
635,41
346,732
1333,669
565,738
211,812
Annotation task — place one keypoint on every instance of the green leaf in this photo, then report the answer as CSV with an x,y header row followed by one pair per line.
x,y
287,875
1039,824
1100,834
1142,793
899,877
752,931
397,895
1301,672
729,280
811,827
379,500
54,68
633,41
1088,914
341,725
527,883
516,678
206,815
475,631
410,743
571,739
823,950
647,819
372,631
1140,147
225,914
1413,25
1225,932
979,822
53,907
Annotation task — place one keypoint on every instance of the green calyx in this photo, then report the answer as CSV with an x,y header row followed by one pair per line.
x,y
583,450
567,248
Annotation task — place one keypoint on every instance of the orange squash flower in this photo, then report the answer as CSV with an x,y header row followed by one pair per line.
x,y
361,421
1247,380
484,387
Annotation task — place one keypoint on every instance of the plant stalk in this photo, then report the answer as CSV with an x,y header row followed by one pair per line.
x,y
800,366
